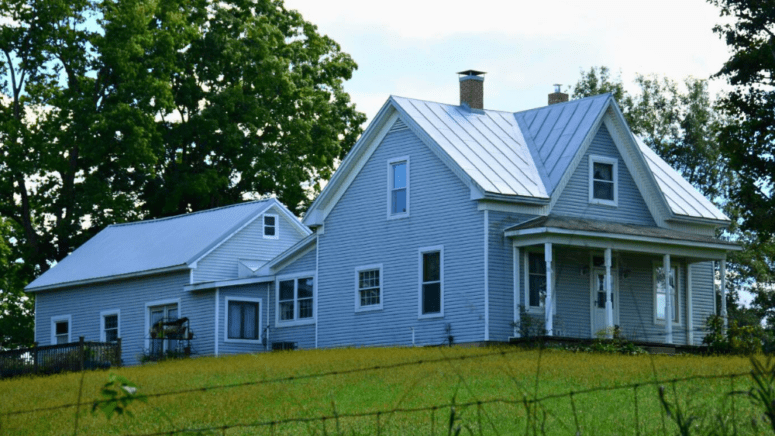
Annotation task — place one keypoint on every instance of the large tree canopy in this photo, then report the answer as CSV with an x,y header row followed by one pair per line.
x,y
116,110
748,140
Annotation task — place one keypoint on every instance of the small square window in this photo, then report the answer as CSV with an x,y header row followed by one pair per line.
x,y
270,227
368,288
243,320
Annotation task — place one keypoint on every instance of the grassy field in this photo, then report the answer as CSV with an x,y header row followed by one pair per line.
x,y
462,375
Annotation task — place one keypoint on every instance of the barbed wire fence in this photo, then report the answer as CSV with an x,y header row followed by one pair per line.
x,y
530,401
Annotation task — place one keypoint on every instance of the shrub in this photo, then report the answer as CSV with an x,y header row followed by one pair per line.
x,y
745,340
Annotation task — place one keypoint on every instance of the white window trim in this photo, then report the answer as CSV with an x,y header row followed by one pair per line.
x,y
537,310
373,307
105,313
677,266
296,321
60,318
390,163
226,337
420,252
276,226
605,160
151,304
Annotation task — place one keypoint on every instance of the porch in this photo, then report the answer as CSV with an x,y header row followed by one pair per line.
x,y
582,278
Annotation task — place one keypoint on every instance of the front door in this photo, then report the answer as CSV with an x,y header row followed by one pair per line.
x,y
598,297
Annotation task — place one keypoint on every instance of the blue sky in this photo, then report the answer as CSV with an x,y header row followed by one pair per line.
x,y
413,48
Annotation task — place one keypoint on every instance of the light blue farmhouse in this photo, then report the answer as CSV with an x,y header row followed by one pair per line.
x,y
443,220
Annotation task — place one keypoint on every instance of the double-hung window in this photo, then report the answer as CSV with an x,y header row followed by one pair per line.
x,y
398,187
60,329
603,179
431,282
661,293
110,325
243,319
536,279
368,288
295,298
270,227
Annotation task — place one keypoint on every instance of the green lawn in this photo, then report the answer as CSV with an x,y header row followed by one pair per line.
x,y
507,374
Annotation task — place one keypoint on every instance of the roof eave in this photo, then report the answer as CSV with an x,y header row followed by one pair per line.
x,y
699,220
181,267
517,199
720,245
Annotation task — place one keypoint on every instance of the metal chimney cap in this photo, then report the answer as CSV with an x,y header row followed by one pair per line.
x,y
557,87
472,73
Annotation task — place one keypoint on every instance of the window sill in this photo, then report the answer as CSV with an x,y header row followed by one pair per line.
x,y
271,237
430,316
607,203
660,322
398,216
281,324
244,341
374,308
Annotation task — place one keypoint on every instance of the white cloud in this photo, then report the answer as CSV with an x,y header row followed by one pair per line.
x,y
414,47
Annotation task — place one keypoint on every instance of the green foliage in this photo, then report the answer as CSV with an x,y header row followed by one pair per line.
x,y
117,395
748,140
762,394
17,317
675,412
529,326
746,340
113,111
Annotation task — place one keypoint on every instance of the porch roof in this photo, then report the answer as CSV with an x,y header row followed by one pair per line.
x,y
618,231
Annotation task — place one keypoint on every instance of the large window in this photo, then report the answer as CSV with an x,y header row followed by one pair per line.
x,y
295,299
536,272
368,288
398,187
431,281
603,180
270,227
661,293
109,331
60,329
243,319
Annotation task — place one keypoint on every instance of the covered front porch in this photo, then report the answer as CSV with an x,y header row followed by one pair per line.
x,y
584,278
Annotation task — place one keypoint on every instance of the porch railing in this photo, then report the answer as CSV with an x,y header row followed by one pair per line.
x,y
52,359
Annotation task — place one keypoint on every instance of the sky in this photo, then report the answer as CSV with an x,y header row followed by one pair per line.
x,y
413,48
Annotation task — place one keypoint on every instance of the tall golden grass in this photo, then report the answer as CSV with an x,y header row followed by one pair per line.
x,y
513,375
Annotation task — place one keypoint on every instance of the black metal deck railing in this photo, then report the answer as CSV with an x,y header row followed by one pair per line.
x,y
52,359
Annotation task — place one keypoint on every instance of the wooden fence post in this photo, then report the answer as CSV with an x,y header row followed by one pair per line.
x,y
35,357
81,352
118,352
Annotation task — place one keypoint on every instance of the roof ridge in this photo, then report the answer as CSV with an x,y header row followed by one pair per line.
x,y
449,104
188,214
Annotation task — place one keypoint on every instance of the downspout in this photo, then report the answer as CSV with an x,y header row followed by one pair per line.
x,y
217,298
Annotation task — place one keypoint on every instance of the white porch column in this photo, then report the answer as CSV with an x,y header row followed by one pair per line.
x,y
609,309
689,306
548,315
516,290
668,301
723,274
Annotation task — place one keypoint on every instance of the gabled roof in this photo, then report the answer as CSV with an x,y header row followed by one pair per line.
x,y
487,145
555,133
144,247
523,157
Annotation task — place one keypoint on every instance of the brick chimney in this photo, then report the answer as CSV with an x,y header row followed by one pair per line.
x,y
557,96
472,89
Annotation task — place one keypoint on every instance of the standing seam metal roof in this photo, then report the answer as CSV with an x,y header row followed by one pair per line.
x,y
527,153
129,248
